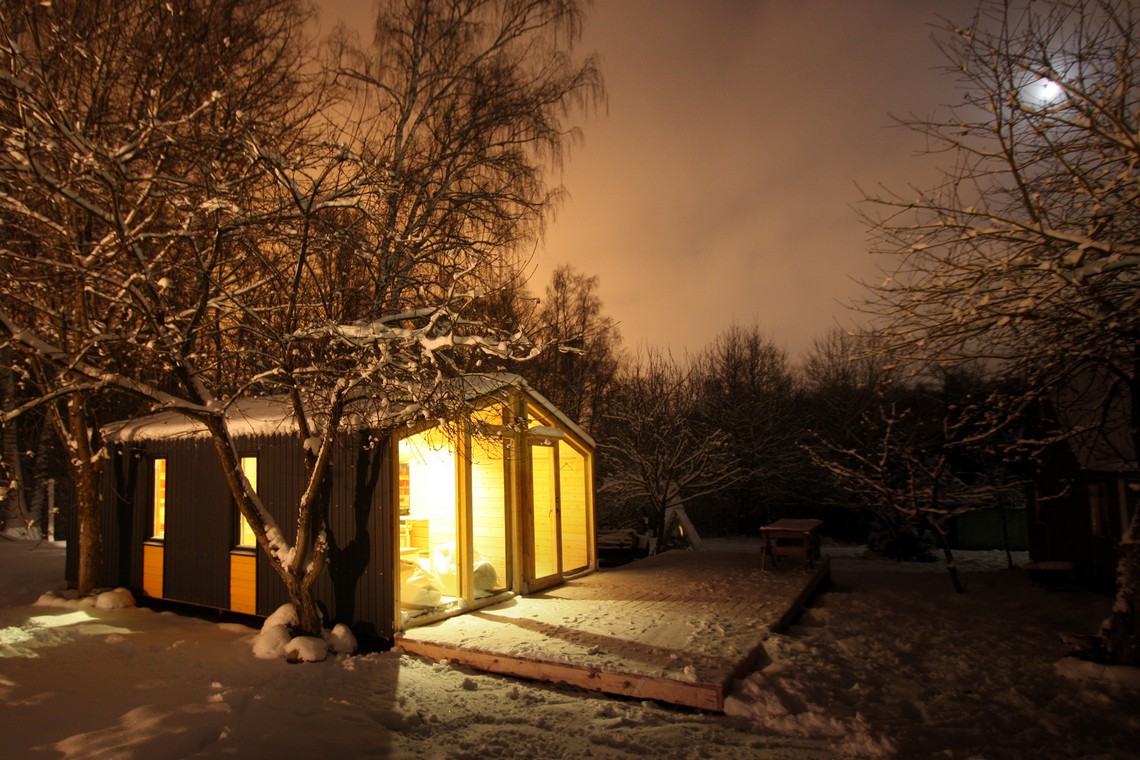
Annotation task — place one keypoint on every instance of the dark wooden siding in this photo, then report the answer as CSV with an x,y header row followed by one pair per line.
x,y
1060,525
199,535
122,513
281,479
355,589
201,523
358,583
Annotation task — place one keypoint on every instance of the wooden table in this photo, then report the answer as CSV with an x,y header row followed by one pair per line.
x,y
790,538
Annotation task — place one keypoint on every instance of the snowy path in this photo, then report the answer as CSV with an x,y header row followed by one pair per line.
x,y
888,663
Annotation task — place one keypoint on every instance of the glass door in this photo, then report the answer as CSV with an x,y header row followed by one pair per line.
x,y
573,508
546,562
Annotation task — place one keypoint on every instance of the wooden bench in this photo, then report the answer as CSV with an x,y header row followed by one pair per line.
x,y
790,538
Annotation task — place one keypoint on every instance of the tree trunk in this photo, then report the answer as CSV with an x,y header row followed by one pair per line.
x,y
16,512
309,555
951,565
88,496
1004,513
309,622
1119,637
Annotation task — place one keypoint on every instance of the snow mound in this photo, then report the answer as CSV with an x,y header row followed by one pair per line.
x,y
276,640
284,615
341,640
65,599
785,705
271,642
306,649
112,599
116,599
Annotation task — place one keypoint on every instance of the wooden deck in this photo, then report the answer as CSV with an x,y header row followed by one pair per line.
x,y
677,627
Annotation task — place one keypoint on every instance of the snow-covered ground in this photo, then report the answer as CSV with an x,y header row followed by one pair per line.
x,y
888,662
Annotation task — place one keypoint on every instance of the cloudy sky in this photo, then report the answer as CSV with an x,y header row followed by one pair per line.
x,y
719,183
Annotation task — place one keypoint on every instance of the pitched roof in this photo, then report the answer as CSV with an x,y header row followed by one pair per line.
x,y
273,415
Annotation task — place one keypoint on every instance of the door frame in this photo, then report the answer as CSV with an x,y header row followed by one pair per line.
x,y
531,581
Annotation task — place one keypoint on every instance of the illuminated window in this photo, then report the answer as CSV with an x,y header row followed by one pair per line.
x,y
159,498
246,536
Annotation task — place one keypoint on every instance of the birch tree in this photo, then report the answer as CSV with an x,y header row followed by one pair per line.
x,y
579,370
1026,255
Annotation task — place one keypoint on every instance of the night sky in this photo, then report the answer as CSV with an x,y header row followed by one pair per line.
x,y
718,185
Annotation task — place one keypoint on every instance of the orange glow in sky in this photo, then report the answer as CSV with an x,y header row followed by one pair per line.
x,y
719,184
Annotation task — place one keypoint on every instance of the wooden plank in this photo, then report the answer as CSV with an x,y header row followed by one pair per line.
x,y
703,696
822,573
677,588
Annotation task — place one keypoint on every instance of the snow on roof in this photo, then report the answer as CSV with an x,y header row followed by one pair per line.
x,y
273,415
263,416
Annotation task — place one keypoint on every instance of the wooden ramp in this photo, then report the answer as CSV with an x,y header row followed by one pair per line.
x,y
677,627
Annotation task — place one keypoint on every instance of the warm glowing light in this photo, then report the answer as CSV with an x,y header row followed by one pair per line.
x,y
159,498
1043,91
246,535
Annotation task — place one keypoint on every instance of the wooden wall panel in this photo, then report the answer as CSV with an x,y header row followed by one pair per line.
x,y
199,525
358,586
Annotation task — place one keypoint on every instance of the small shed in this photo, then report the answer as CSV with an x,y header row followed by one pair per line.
x,y
424,521
1085,491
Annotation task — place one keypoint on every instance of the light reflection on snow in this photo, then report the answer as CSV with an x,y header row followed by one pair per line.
x,y
12,637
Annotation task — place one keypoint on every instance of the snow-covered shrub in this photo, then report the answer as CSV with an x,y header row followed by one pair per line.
x,y
900,539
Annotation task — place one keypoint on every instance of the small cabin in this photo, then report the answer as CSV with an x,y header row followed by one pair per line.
x,y
1085,491
424,521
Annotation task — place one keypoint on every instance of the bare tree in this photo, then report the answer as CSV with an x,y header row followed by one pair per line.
x,y
745,387
656,450
1028,254
911,474
121,124
252,236
579,370
434,177
844,376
